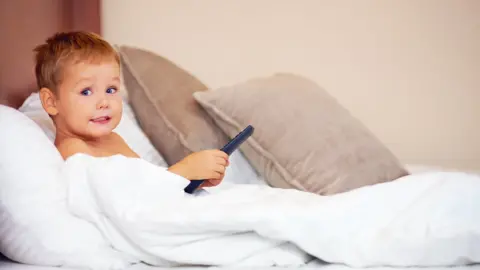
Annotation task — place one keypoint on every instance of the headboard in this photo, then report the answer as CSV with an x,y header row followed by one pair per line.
x,y
26,23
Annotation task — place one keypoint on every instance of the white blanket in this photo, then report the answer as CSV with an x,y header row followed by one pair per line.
x,y
420,220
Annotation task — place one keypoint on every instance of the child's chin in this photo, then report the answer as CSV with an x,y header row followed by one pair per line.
x,y
100,132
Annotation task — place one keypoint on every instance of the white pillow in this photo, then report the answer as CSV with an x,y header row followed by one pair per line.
x,y
35,225
128,129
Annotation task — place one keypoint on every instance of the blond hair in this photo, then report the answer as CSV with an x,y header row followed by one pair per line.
x,y
66,48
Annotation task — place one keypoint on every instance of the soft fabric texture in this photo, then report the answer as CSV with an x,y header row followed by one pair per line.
x,y
161,96
35,224
303,137
128,129
426,219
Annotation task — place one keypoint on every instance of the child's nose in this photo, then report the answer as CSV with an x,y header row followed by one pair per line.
x,y
102,103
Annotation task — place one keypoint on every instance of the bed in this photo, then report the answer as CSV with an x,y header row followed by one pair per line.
x,y
19,93
242,172
141,144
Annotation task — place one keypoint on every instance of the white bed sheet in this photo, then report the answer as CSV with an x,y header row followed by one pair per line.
x,y
6,264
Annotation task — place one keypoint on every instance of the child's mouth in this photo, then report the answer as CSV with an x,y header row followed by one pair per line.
x,y
101,120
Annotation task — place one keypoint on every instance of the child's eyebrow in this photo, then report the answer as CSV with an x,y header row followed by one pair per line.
x,y
89,79
84,79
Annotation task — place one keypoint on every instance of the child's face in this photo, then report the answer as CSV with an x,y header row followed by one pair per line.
x,y
88,101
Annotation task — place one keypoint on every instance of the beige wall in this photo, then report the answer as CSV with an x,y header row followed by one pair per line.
x,y
409,69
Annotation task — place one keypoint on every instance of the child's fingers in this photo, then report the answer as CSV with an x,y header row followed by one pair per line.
x,y
205,184
221,154
211,183
215,182
221,161
216,173
220,169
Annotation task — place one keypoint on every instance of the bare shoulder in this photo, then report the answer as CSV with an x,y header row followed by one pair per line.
x,y
71,146
123,147
117,138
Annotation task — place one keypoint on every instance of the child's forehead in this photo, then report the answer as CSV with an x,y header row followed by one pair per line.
x,y
88,68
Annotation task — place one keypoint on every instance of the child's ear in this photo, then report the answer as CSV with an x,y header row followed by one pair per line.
x,y
48,101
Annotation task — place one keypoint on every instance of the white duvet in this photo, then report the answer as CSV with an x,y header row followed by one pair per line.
x,y
430,219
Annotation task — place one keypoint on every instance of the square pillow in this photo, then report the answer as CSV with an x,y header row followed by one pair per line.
x,y
160,93
303,137
35,224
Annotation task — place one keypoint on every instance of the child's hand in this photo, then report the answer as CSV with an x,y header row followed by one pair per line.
x,y
208,164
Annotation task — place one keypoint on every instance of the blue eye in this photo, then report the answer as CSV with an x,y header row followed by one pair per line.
x,y
111,90
86,92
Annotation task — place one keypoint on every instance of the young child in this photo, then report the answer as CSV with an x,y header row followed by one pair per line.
x,y
78,74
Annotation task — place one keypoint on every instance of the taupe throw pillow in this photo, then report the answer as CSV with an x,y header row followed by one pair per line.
x,y
303,138
160,93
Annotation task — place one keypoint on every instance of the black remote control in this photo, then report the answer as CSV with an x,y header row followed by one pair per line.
x,y
228,148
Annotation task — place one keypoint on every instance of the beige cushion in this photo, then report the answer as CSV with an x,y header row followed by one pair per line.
x,y
161,96
303,138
